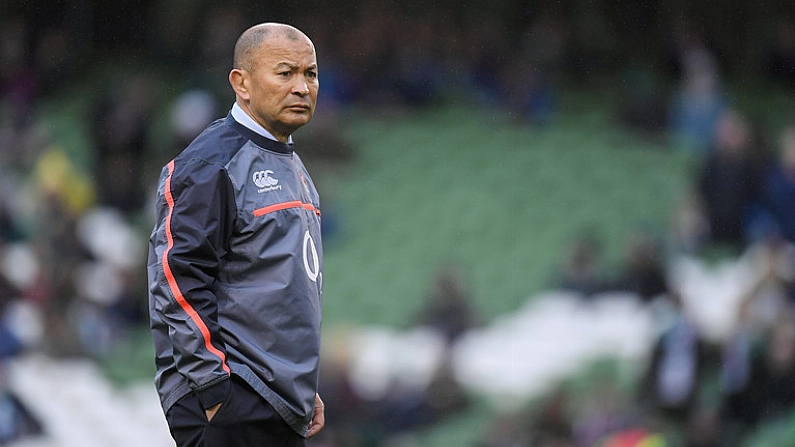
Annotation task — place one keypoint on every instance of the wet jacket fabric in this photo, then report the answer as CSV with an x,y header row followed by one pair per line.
x,y
235,273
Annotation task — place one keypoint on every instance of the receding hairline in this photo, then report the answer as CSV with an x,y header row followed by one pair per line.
x,y
254,37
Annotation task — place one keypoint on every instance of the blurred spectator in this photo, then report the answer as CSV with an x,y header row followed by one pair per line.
x,y
120,129
57,57
448,306
605,409
551,424
689,226
18,77
174,30
404,410
9,222
582,270
545,423
772,294
347,423
735,375
107,284
643,271
86,284
769,392
10,343
778,186
642,105
781,55
675,371
729,180
20,87
16,420
766,306
191,112
529,80
698,101
63,195
18,334
416,66
704,429
369,44
210,69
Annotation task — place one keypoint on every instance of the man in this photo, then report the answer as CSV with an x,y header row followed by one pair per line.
x,y
235,261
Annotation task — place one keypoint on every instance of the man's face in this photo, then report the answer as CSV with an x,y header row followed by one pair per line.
x,y
283,84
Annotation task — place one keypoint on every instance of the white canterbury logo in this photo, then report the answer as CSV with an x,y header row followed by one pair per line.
x,y
265,182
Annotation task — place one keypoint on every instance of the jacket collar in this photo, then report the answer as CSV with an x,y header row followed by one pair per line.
x,y
259,139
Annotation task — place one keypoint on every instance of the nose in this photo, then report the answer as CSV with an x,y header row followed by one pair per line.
x,y
300,87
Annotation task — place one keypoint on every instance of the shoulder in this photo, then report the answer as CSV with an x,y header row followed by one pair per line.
x,y
202,164
212,149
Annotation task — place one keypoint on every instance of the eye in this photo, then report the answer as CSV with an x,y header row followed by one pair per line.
x,y
284,74
311,74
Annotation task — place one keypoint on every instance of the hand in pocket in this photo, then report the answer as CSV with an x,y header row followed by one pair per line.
x,y
210,412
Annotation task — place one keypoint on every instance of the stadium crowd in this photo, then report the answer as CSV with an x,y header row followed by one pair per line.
x,y
71,224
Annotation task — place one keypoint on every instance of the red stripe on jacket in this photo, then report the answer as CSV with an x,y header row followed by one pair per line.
x,y
285,205
172,281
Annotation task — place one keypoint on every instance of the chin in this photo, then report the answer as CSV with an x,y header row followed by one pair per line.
x,y
297,122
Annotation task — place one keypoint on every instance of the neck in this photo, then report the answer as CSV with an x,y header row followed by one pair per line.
x,y
283,137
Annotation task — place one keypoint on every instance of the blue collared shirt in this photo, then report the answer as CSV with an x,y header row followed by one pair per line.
x,y
243,118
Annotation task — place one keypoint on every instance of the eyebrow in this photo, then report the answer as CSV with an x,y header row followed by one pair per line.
x,y
295,66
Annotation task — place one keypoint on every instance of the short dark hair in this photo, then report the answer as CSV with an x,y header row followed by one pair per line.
x,y
252,38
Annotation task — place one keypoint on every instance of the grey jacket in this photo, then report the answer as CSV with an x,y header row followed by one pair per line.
x,y
236,273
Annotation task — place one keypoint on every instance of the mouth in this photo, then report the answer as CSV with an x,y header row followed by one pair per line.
x,y
298,108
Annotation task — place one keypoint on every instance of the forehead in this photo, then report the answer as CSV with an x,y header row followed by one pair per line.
x,y
278,50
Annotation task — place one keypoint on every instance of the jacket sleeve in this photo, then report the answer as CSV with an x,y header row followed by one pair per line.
x,y
195,215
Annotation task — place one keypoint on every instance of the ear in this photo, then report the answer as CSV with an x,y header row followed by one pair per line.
x,y
238,79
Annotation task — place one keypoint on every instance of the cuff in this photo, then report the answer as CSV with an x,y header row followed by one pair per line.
x,y
214,393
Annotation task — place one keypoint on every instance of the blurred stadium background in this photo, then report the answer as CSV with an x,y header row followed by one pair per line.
x,y
551,223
